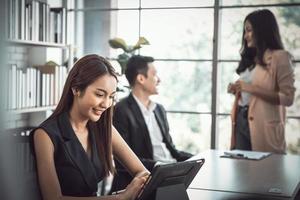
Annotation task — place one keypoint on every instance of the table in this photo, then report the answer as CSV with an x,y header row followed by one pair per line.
x,y
274,177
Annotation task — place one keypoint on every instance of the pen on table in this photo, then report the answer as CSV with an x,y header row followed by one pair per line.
x,y
239,155
118,192
234,155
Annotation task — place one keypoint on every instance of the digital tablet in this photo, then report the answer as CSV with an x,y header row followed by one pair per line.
x,y
180,173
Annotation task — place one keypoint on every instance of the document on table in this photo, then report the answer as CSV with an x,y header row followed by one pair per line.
x,y
241,154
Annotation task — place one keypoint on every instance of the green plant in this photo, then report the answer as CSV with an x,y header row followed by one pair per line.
x,y
128,50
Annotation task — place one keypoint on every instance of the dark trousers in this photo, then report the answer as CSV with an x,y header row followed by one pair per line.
x,y
243,141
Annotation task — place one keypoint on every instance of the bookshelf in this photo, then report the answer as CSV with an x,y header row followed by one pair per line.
x,y
37,29
33,43
36,20
31,110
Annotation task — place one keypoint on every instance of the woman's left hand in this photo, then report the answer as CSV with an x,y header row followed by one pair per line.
x,y
134,188
241,86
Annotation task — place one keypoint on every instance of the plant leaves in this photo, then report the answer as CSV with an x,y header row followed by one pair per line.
x,y
118,43
123,59
140,42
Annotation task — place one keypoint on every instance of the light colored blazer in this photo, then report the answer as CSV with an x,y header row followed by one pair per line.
x,y
266,120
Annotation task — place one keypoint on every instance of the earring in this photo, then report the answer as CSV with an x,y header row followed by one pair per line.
x,y
74,91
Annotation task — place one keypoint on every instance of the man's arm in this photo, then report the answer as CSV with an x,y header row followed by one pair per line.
x,y
125,155
122,123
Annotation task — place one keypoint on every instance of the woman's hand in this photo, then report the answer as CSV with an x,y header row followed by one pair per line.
x,y
241,86
143,174
231,88
133,189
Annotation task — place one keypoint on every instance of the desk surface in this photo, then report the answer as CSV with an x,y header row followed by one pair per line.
x,y
276,175
196,194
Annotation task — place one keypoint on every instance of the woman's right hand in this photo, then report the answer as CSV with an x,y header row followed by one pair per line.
x,y
231,88
134,188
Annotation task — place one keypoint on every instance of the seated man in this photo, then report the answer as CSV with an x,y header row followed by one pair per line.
x,y
142,123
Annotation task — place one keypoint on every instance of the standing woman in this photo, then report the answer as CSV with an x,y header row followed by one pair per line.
x,y
264,89
74,146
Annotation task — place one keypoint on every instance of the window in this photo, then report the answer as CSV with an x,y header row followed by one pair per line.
x,y
179,89
178,34
181,40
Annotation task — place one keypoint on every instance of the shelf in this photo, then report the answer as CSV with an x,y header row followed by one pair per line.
x,y
33,109
39,44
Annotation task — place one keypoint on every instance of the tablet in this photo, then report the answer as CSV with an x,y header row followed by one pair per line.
x,y
180,174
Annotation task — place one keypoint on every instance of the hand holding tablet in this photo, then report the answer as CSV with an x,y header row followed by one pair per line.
x,y
170,181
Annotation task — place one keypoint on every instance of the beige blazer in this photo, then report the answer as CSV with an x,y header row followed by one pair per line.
x,y
266,120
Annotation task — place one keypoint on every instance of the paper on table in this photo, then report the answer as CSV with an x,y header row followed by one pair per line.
x,y
241,154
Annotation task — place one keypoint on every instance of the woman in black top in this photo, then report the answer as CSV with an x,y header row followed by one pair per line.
x,y
74,146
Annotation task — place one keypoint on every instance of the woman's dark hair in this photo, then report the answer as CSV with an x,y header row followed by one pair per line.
x,y
266,35
137,64
84,72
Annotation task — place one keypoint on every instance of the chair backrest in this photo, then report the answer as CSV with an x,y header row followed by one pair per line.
x,y
20,166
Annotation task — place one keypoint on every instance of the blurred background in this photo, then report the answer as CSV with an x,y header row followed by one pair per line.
x,y
196,47
195,44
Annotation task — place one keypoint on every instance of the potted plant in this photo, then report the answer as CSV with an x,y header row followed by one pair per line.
x,y
128,50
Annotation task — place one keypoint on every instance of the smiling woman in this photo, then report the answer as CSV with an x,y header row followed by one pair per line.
x,y
249,34
74,146
96,98
265,86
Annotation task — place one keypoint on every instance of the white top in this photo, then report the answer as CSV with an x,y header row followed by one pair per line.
x,y
246,76
160,151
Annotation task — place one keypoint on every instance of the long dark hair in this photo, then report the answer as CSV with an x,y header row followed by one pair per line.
x,y
84,72
266,35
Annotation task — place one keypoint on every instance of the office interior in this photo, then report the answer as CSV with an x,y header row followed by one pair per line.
x,y
195,44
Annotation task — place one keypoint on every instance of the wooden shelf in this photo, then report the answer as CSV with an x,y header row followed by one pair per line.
x,y
32,109
35,43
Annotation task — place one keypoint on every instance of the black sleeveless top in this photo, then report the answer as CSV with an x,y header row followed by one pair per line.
x,y
77,173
